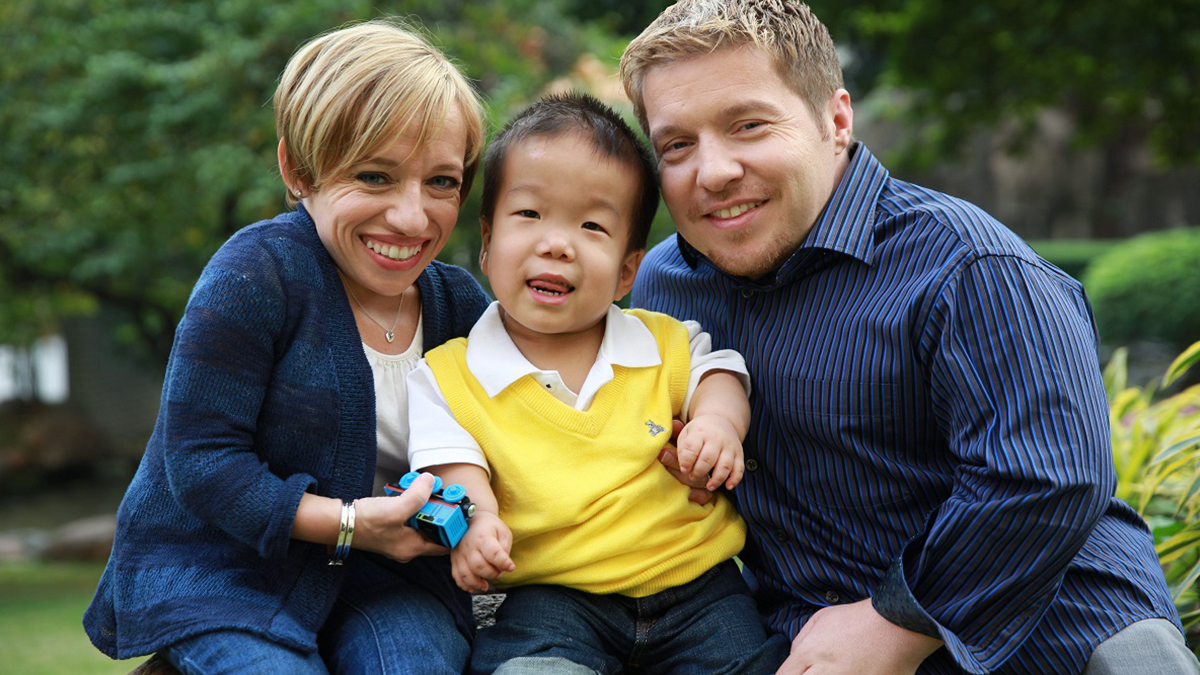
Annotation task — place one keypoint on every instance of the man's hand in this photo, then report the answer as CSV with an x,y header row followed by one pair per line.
x,y
700,494
710,449
855,640
482,554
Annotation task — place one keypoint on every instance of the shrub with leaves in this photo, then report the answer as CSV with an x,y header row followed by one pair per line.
x,y
1156,449
1146,288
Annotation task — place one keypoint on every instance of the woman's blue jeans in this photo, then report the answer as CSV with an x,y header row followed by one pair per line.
x,y
389,618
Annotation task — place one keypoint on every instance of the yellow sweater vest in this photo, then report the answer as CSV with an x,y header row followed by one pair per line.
x,y
587,501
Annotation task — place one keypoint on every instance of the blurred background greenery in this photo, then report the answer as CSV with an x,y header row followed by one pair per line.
x,y
135,137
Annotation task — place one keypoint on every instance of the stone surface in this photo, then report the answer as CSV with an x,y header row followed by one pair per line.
x,y
87,539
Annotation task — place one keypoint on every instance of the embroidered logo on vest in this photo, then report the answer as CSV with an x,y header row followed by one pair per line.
x,y
655,429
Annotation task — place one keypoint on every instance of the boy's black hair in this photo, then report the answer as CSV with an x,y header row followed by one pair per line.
x,y
611,136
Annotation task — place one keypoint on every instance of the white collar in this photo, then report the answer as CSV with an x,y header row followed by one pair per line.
x,y
496,362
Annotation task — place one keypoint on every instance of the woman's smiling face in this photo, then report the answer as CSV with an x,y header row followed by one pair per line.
x,y
389,215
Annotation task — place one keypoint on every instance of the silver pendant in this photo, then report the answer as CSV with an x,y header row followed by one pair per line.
x,y
390,336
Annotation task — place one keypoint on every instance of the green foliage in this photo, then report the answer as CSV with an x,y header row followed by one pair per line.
x,y
1121,69
40,610
136,137
620,16
1156,450
1072,255
1148,287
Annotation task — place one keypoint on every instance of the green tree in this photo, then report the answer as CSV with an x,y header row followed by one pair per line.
x,y
136,137
1126,72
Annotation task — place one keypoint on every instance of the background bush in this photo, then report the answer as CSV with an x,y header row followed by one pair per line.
x,y
1156,453
1073,255
1148,287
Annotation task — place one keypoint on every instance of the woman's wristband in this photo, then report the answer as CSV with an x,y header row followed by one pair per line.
x,y
345,535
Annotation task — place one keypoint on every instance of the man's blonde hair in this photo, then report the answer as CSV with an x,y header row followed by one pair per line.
x,y
345,92
798,44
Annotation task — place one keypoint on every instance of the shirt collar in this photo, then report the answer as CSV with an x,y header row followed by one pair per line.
x,y
846,224
496,363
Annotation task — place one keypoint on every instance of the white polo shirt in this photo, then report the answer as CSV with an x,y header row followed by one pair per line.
x,y
435,437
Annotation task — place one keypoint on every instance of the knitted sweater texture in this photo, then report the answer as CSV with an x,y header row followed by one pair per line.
x,y
267,395
588,503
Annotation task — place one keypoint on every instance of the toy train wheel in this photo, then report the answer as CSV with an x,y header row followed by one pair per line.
x,y
407,479
454,493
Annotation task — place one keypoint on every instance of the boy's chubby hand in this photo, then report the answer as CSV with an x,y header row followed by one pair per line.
x,y
482,554
709,445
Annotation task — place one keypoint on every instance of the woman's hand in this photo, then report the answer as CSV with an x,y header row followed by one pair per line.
x,y
380,523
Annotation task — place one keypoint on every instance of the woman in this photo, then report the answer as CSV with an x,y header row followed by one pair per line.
x,y
286,375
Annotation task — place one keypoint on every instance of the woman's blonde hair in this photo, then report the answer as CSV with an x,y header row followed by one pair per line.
x,y
798,44
346,91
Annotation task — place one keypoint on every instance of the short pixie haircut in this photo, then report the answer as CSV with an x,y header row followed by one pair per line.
x,y
346,92
561,114
797,42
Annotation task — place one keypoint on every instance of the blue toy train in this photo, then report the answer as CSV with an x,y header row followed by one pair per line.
x,y
444,517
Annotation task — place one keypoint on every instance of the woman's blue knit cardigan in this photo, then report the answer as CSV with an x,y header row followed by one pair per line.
x,y
267,395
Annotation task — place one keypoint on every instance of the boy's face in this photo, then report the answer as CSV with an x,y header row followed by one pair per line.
x,y
555,249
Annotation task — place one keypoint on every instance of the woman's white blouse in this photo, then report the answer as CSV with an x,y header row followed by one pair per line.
x,y
391,408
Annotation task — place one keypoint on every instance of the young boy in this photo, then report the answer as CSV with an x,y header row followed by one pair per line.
x,y
567,402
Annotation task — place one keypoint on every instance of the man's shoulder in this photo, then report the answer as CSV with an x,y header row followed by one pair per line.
x,y
657,322
942,216
663,255
664,261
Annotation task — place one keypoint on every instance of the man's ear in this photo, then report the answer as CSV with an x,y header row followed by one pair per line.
x,y
486,227
629,270
842,117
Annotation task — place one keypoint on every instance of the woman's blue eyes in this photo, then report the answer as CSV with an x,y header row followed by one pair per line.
x,y
376,179
445,182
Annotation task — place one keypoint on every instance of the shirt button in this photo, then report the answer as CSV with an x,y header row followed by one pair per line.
x,y
747,293
752,465
831,597
780,536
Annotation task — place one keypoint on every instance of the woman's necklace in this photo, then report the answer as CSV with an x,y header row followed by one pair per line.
x,y
389,333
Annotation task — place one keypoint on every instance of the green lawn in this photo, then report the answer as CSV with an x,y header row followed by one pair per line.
x,y
40,612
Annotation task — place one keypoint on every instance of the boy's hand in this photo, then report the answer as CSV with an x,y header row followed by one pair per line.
x,y
698,494
482,554
709,445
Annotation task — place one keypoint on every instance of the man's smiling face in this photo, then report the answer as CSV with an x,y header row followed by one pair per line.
x,y
746,167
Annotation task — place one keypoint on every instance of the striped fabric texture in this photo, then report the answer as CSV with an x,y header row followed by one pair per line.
x,y
930,430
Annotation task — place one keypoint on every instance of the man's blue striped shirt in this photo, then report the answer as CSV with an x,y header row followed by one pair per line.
x,y
930,430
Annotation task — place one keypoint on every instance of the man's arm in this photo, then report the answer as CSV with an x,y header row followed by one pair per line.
x,y
1009,352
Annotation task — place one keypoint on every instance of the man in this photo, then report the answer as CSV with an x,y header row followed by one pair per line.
x,y
928,474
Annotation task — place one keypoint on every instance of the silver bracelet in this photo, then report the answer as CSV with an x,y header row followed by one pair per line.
x,y
345,535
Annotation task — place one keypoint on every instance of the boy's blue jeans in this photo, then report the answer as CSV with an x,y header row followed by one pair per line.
x,y
705,627
389,618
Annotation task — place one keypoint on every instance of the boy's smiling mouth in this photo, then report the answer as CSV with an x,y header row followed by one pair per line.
x,y
550,285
